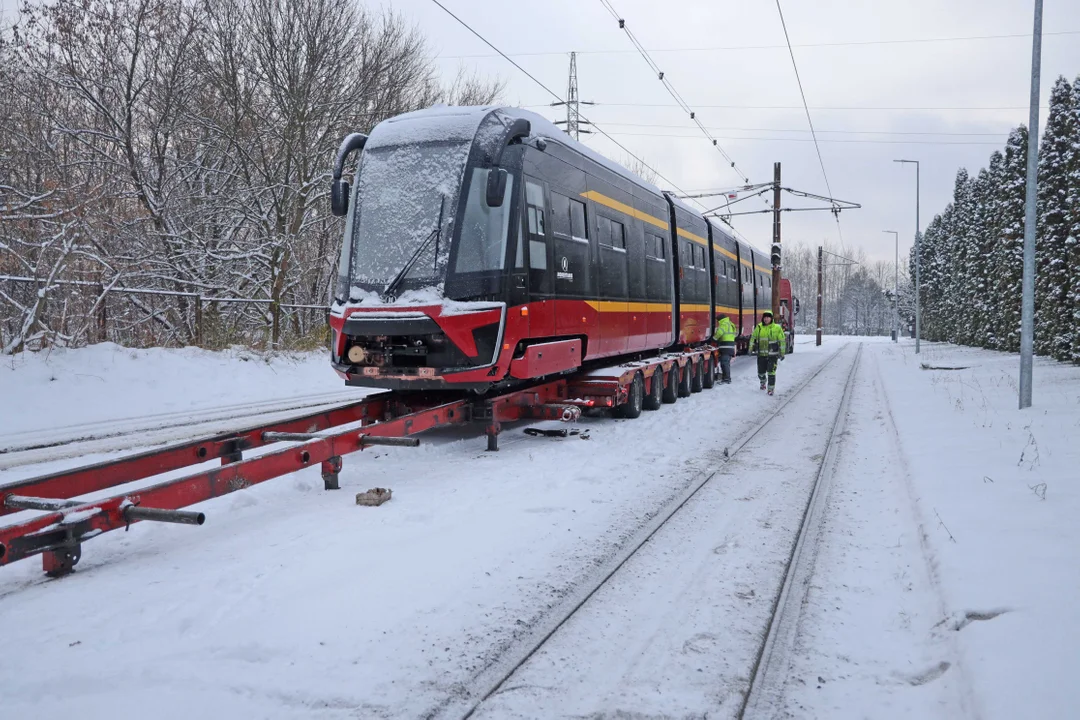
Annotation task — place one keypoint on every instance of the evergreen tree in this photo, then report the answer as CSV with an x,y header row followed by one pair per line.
x,y
1072,243
981,237
965,257
1053,303
1008,256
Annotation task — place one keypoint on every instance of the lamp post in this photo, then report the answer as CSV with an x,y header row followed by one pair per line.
x,y
918,285
896,286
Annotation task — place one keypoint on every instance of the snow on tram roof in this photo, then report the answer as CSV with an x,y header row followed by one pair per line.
x,y
447,123
454,123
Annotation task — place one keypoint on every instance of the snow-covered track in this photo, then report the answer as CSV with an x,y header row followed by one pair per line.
x,y
768,674
469,697
27,448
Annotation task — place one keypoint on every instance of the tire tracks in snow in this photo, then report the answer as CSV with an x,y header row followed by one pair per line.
x,y
967,698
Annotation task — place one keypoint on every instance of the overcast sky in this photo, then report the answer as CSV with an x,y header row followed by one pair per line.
x,y
696,43
989,73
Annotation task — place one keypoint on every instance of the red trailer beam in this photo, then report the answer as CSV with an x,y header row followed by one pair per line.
x,y
58,535
227,446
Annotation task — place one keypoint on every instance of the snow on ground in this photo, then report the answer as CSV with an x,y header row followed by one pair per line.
x,y
997,491
676,631
60,387
948,507
292,601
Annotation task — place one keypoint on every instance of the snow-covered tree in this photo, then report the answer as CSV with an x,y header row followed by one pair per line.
x,y
1007,258
1057,165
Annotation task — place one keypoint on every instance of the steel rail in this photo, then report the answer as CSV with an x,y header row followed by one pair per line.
x,y
784,615
489,680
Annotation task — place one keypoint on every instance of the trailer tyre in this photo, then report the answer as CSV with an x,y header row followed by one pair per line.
x,y
671,393
697,380
654,398
635,397
710,373
684,381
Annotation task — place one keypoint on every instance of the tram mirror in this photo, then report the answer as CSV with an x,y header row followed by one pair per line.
x,y
496,187
339,197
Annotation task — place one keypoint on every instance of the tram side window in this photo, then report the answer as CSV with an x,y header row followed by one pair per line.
x,y
661,247
578,229
560,214
603,230
534,199
611,233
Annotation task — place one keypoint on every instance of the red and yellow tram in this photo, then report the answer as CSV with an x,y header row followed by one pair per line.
x,y
484,247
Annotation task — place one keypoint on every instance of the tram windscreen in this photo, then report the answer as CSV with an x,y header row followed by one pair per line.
x,y
403,190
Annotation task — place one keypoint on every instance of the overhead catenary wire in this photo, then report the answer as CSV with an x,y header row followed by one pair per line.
x,y
815,107
809,120
551,92
736,48
671,88
942,133
561,99
838,140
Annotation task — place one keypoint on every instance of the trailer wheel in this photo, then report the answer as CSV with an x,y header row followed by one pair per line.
x,y
656,391
696,380
684,382
632,407
710,373
671,393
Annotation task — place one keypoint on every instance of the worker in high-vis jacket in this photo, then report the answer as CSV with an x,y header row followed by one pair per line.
x,y
725,337
769,344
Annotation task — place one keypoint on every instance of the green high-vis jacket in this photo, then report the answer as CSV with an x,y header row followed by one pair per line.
x,y
768,339
725,333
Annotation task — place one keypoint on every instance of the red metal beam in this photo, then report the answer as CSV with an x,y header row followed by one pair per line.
x,y
66,529
80,481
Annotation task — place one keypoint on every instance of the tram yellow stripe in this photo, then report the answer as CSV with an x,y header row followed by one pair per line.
x,y
606,306
744,261
691,236
625,209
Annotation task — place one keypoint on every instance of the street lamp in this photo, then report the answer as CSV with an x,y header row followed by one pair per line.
x,y
896,287
918,285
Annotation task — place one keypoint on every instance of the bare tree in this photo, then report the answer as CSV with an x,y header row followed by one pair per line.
x,y
184,146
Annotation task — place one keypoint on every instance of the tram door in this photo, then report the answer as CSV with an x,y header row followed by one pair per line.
x,y
538,259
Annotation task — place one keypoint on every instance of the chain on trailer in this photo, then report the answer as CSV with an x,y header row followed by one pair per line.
x,y
320,438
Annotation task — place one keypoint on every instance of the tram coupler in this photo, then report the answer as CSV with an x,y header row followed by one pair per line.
x,y
330,469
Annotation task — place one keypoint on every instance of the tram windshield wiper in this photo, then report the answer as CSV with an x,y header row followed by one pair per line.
x,y
433,237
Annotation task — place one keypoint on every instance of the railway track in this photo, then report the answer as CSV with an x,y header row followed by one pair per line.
x,y
494,678
39,446
768,674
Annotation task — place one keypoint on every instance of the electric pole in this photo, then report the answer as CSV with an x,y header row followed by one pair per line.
x,y
918,259
573,104
776,248
896,287
1027,307
820,269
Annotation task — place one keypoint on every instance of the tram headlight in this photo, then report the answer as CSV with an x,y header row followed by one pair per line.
x,y
356,354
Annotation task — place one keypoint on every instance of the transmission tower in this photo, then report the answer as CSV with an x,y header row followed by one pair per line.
x,y
573,104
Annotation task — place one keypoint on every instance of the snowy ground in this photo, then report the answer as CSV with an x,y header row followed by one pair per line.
x,y
294,602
